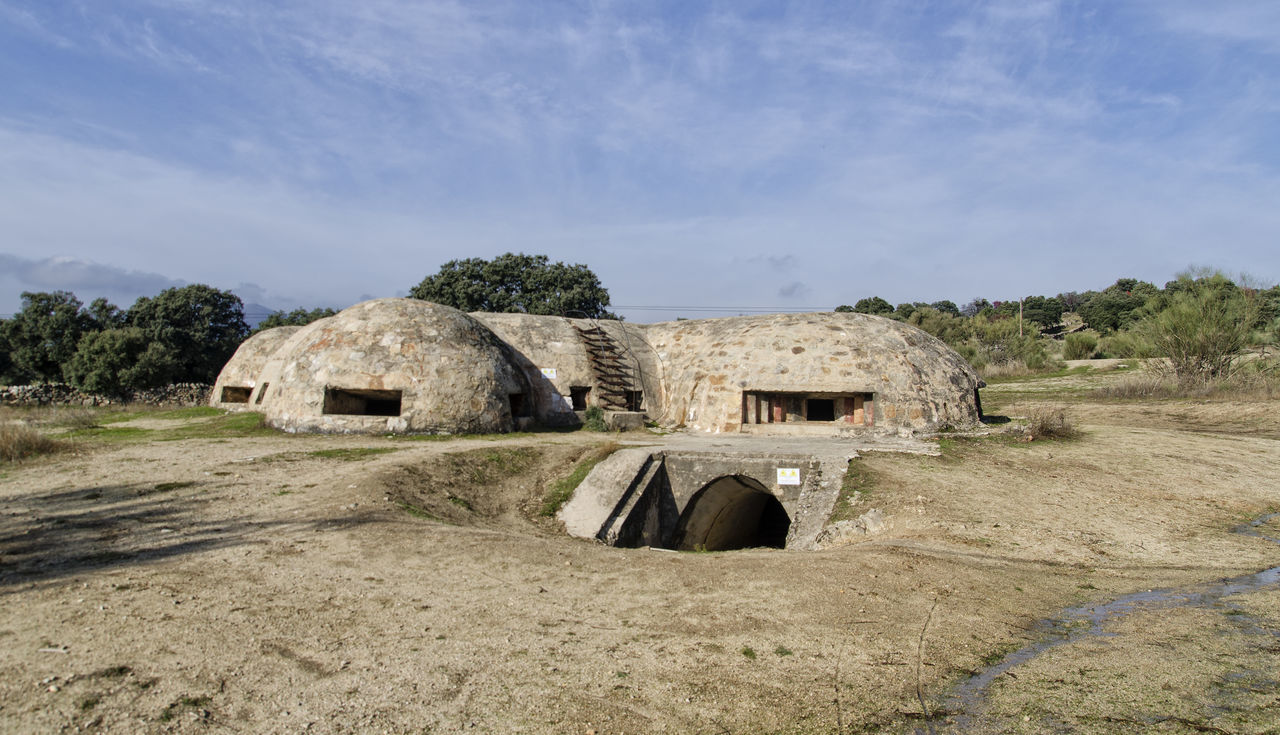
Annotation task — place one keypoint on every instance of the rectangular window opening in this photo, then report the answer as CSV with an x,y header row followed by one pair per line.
x,y
578,396
356,402
262,392
764,407
235,394
820,409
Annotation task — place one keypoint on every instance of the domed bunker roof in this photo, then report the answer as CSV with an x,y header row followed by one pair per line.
x,y
394,365
240,376
841,370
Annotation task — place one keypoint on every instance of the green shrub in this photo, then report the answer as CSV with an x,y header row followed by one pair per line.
x,y
1079,346
1126,345
594,419
1202,329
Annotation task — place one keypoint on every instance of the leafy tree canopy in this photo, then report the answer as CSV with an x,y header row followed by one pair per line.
x,y
873,305
114,361
946,307
43,335
975,307
295,318
198,327
529,284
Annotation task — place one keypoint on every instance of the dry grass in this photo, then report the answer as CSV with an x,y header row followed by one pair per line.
x,y
1250,385
18,442
70,417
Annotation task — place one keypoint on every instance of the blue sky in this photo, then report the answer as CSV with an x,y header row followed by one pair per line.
x,y
726,155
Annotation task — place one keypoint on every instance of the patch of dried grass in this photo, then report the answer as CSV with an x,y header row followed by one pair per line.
x,y
19,442
1249,385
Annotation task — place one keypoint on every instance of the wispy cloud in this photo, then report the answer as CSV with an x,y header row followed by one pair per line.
x,y
890,146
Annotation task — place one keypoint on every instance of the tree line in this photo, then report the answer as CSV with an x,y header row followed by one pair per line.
x,y
187,334
180,335
1200,321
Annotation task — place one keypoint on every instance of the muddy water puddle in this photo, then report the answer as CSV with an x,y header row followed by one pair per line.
x,y
966,708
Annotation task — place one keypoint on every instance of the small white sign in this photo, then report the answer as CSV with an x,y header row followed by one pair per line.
x,y
549,373
788,475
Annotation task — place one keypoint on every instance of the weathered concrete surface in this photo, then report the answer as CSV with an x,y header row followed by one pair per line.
x,y
603,491
644,496
245,367
918,382
624,420
552,357
451,373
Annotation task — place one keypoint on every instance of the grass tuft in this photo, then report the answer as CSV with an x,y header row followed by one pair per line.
x,y
1050,423
18,442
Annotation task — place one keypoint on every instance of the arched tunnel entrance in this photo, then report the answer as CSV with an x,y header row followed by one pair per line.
x,y
732,512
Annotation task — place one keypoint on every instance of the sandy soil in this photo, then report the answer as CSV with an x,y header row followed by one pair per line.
x,y
249,585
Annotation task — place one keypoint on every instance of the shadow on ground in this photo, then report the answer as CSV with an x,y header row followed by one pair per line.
x,y
47,536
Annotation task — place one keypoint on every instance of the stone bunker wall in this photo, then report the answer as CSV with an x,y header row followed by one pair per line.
x,y
402,365
235,386
394,365
863,371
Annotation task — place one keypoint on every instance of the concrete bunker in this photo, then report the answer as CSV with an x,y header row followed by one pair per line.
x,y
394,366
816,374
732,512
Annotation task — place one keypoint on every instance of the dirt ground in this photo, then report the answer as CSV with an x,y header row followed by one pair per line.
x,y
283,584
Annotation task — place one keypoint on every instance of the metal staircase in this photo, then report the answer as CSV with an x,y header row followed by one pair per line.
x,y
618,389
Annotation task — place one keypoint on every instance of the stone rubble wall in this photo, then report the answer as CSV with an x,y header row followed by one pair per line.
x,y
62,394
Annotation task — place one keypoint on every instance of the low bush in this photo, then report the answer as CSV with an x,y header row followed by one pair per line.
x,y
594,419
1079,346
1050,423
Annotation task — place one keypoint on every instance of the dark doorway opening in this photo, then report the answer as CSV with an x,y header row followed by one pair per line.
x,y
356,402
820,409
734,512
519,406
578,397
235,394
635,400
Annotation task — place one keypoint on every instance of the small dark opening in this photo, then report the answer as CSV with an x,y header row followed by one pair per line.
x,y
774,525
519,406
262,392
820,409
578,395
635,400
235,394
345,402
